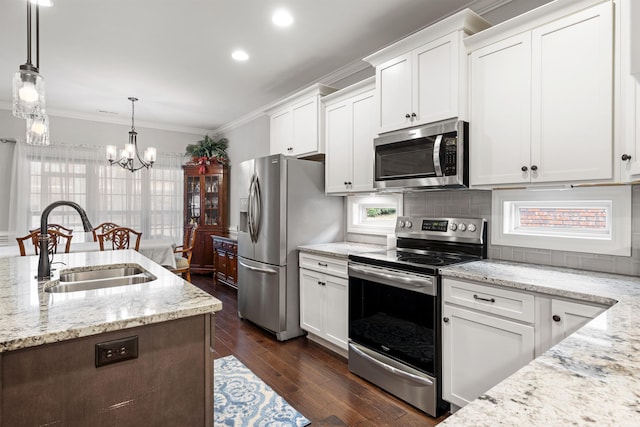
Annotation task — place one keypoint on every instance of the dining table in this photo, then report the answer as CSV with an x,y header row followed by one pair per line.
x,y
159,251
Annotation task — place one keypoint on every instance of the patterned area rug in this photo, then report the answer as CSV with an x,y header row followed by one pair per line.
x,y
241,399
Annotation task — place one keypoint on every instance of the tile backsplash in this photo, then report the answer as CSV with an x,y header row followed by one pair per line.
x,y
477,203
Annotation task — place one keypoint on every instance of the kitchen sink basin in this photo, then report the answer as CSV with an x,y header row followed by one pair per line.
x,y
99,278
102,273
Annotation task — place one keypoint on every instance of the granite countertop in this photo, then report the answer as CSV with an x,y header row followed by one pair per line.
x,y
341,249
30,317
590,378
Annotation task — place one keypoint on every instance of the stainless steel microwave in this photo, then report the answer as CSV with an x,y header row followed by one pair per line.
x,y
433,156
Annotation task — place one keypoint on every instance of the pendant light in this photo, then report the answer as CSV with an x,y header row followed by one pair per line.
x,y
130,153
28,84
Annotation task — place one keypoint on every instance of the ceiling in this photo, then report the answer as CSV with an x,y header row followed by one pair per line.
x,y
175,56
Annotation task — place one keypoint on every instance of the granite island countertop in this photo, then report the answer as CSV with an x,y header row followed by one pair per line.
x,y
590,378
341,249
30,317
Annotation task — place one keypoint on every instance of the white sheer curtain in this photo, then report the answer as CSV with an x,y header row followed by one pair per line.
x,y
147,200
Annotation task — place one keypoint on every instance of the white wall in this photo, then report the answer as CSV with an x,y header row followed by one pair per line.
x,y
246,142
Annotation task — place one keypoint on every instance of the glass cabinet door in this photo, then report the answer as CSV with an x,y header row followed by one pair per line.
x,y
193,199
211,197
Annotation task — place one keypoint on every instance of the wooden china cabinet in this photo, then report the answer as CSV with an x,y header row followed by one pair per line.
x,y
206,195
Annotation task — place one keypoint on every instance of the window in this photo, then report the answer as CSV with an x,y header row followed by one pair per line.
x,y
375,214
595,219
147,200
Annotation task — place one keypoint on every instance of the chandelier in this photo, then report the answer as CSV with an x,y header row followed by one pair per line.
x,y
28,88
130,154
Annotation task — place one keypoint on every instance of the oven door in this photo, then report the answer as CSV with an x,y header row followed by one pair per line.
x,y
394,313
393,338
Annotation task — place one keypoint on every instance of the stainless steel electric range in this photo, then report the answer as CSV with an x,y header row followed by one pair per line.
x,y
394,306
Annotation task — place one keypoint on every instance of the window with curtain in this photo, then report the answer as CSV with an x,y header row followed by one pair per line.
x,y
147,200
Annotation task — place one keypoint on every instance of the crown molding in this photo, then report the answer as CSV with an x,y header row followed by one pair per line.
x,y
115,120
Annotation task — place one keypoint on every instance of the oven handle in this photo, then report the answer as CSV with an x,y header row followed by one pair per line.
x,y
388,368
406,279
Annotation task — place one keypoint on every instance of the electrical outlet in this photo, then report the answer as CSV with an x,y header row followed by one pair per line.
x,y
116,351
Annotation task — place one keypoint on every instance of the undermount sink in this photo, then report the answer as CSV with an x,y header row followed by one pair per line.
x,y
104,276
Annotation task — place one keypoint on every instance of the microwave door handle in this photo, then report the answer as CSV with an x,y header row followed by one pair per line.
x,y
436,156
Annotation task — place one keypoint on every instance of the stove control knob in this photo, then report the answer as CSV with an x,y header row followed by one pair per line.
x,y
462,227
453,226
471,227
401,224
408,224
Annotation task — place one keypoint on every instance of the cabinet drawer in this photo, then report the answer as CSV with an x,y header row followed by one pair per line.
x,y
324,264
489,299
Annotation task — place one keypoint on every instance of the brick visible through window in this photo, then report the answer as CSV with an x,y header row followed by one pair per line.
x,y
592,218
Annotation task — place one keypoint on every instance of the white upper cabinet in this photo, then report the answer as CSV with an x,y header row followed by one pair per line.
x,y
501,110
628,157
541,99
423,78
296,123
350,129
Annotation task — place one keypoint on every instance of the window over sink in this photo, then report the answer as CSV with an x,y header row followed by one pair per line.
x,y
584,219
373,214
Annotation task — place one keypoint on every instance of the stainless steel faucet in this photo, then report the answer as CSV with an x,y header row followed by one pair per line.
x,y
44,266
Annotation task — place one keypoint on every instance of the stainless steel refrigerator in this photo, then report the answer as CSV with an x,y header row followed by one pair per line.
x,y
283,206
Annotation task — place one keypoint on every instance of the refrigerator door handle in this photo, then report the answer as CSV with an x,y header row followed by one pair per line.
x,y
258,207
250,203
259,270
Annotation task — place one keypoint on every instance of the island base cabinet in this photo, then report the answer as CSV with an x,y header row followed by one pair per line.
x,y
169,383
479,351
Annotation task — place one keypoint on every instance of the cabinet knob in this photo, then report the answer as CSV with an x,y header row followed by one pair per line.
x,y
534,167
408,116
289,148
321,283
524,169
556,318
445,320
626,157
348,182
413,115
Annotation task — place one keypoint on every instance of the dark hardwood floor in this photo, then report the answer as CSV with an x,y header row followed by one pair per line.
x,y
314,380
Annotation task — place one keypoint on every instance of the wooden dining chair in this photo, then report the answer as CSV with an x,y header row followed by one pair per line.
x,y
102,229
56,239
184,252
120,238
57,227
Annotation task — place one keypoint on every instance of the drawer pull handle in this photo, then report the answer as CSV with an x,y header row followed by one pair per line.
x,y
322,264
484,299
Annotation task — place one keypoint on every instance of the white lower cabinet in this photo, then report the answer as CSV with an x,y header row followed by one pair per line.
x,y
324,302
480,348
559,318
489,332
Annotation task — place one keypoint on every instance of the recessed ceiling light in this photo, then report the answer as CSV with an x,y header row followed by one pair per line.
x,y
282,18
240,55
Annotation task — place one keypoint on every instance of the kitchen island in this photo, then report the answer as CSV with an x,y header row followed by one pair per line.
x,y
590,378
49,352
